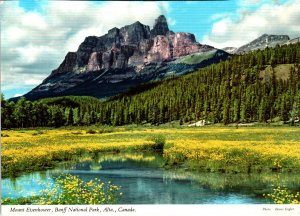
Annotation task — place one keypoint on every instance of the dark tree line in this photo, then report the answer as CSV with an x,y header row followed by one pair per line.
x,y
245,88
53,112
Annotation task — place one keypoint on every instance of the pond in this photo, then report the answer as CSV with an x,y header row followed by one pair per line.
x,y
144,181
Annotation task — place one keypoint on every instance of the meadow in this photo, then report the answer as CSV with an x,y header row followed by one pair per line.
x,y
208,149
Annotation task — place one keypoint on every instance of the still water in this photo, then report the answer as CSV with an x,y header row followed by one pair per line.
x,y
143,181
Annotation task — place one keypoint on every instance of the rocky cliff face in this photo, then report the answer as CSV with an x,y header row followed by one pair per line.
x,y
160,27
127,56
133,45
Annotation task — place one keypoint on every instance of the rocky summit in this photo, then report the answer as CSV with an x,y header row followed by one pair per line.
x,y
123,58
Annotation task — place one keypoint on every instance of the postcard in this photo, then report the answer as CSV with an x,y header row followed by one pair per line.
x,y
150,107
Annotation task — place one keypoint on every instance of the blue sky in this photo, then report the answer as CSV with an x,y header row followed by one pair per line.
x,y
195,17
36,35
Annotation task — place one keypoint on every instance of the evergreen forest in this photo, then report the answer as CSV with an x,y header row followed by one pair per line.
x,y
261,86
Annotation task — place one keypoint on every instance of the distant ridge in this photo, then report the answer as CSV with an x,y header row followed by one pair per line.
x,y
262,42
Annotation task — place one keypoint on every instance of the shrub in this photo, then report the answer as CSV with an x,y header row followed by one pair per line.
x,y
159,142
71,190
91,131
106,130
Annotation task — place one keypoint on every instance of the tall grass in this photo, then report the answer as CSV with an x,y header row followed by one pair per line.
x,y
213,149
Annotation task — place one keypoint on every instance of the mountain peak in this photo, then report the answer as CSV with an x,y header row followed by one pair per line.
x,y
161,19
137,23
160,26
124,57
265,40
275,37
264,35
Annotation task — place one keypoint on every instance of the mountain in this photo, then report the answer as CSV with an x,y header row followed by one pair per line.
x,y
262,42
294,40
243,89
124,58
230,50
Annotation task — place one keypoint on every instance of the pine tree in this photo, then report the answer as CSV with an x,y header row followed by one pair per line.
x,y
20,112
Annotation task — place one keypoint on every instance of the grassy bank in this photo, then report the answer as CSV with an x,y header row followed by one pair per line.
x,y
213,149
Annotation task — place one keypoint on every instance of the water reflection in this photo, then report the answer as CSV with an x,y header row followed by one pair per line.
x,y
25,185
143,181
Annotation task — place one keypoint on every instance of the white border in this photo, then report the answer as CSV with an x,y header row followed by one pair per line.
x,y
155,210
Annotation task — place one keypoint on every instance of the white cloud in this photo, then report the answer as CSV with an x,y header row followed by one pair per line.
x,y
35,42
34,21
32,81
171,22
247,25
253,1
219,16
18,95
